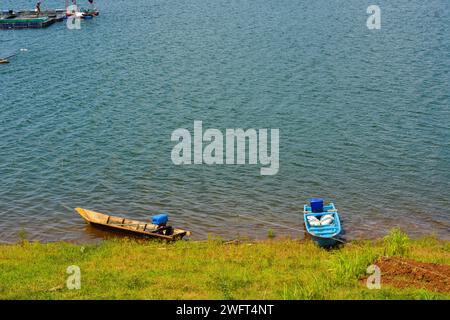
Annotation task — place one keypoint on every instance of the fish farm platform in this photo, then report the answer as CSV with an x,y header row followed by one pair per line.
x,y
29,19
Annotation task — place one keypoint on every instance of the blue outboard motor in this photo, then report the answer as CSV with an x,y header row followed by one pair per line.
x,y
160,219
316,205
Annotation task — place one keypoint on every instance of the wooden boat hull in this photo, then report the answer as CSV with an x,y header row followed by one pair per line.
x,y
134,227
323,236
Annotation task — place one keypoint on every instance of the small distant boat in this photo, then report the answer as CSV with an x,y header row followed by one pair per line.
x,y
81,15
156,229
4,61
89,12
322,223
84,13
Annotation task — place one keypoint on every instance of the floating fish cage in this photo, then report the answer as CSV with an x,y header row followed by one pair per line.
x,y
29,19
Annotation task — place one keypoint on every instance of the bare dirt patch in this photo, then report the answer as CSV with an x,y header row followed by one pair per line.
x,y
406,273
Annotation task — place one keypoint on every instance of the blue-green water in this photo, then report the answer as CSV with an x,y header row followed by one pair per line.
x,y
364,115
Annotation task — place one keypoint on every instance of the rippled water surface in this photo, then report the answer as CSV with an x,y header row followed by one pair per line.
x,y
364,116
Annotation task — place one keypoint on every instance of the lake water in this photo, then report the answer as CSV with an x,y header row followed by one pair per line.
x,y
86,116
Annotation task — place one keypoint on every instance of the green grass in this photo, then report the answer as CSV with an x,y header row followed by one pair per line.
x,y
396,243
271,269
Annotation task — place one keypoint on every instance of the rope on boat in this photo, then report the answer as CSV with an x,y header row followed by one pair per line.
x,y
283,226
11,55
253,218
272,223
249,217
137,219
22,49
14,54
68,208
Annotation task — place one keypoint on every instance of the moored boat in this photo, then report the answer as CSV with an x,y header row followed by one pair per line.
x,y
84,13
322,223
91,12
157,229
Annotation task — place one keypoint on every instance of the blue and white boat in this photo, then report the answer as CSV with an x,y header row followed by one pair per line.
x,y
322,222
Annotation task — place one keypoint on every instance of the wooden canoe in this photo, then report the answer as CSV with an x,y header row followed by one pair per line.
x,y
135,227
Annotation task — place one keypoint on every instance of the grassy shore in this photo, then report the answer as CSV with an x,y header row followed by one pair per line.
x,y
271,269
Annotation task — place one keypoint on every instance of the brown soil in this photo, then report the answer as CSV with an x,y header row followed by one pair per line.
x,y
406,273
